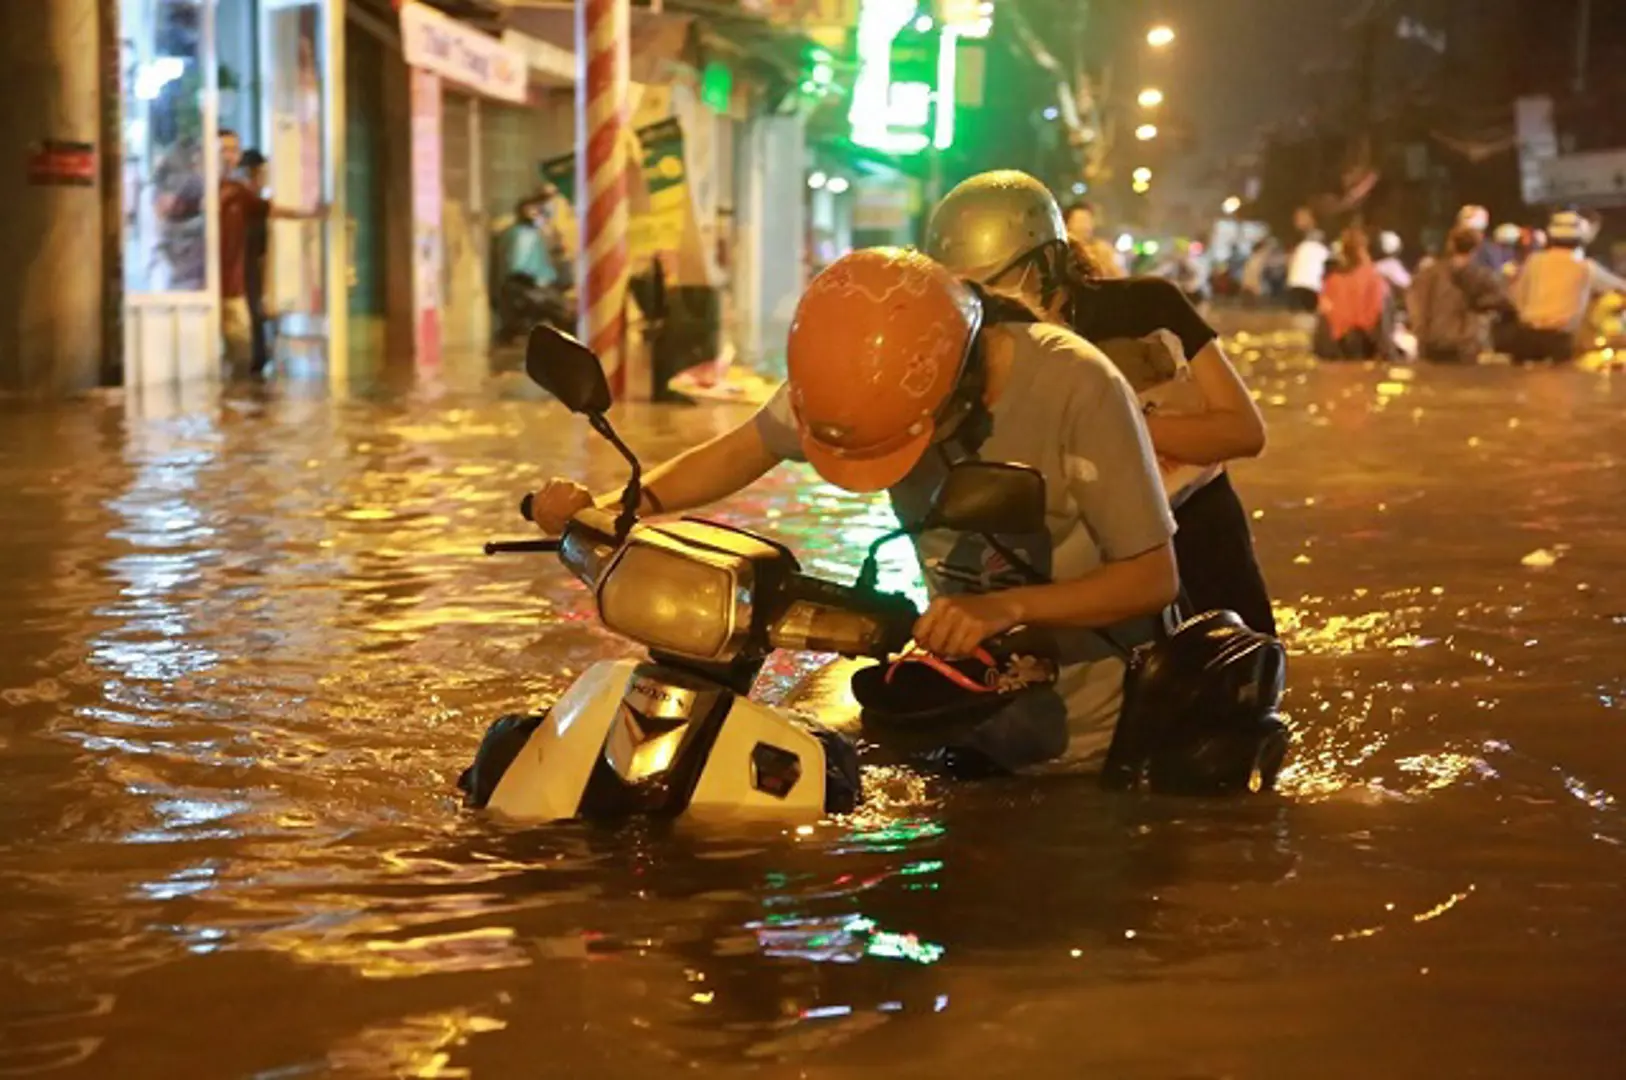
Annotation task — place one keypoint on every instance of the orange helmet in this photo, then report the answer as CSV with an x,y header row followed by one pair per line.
x,y
876,350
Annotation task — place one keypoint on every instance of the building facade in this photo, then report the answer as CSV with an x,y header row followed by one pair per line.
x,y
394,171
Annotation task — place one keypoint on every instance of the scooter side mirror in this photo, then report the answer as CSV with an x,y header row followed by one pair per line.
x,y
976,497
567,369
989,497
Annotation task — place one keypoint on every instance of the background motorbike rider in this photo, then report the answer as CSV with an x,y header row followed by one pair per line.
x,y
1004,229
532,290
895,371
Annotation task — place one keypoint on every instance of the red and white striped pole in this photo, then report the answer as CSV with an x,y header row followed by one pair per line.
x,y
603,30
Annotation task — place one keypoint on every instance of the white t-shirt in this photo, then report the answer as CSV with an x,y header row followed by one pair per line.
x,y
1308,267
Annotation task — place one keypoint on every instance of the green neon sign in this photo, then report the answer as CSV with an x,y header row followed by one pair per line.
x,y
903,97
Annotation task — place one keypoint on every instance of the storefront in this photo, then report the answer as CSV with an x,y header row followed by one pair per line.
x,y
454,71
189,70
170,177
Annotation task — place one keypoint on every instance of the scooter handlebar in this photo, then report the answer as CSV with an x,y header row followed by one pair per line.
x,y
822,616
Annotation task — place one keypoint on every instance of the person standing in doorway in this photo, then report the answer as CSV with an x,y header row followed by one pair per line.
x,y
241,205
237,206
255,252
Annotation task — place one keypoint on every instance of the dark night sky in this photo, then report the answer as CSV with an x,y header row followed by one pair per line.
x,y
1237,66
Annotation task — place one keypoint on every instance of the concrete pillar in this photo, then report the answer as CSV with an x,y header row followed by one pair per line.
x,y
400,254
51,277
336,227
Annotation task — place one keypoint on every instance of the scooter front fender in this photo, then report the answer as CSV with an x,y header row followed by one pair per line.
x,y
546,780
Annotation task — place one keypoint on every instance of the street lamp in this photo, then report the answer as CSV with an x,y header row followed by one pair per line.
x,y
1142,175
1146,132
1159,36
1231,205
1150,98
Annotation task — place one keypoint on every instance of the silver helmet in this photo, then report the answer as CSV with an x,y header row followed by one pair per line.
x,y
991,221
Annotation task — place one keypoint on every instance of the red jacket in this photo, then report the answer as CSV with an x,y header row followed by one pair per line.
x,y
1353,299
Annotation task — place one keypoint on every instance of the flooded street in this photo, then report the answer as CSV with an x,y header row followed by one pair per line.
x,y
247,645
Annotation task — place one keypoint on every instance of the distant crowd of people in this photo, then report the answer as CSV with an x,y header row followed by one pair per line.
x,y
1521,292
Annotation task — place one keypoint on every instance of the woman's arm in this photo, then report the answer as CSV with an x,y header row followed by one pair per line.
x,y
1230,427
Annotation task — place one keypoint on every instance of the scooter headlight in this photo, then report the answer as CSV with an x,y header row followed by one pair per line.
x,y
678,598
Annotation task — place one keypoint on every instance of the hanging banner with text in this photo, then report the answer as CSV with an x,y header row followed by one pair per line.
x,y
432,41
660,212
428,251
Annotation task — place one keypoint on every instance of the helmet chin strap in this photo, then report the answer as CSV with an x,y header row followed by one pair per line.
x,y
967,422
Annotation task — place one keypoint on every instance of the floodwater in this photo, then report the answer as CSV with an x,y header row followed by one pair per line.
x,y
248,642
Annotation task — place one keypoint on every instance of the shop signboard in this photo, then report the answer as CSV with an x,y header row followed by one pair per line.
x,y
433,41
1538,144
55,163
1594,179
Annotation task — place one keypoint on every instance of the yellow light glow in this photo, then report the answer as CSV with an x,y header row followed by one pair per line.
x,y
1146,132
1150,98
1231,205
1159,36
1142,175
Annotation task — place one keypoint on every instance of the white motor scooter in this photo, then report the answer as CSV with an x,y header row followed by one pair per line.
x,y
677,733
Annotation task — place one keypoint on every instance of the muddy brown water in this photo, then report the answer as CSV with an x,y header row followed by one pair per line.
x,y
247,642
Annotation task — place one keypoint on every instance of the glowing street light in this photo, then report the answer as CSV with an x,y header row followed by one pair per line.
x,y
817,180
1142,175
1150,98
1141,187
1146,132
1159,36
1231,205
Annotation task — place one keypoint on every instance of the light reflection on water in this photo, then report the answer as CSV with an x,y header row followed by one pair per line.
x,y
247,649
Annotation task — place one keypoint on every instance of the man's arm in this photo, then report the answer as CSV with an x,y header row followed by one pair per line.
x,y
704,474
1143,585
286,213
1603,279
1484,289
1121,503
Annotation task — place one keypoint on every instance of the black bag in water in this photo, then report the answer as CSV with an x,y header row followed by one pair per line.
x,y
1199,714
